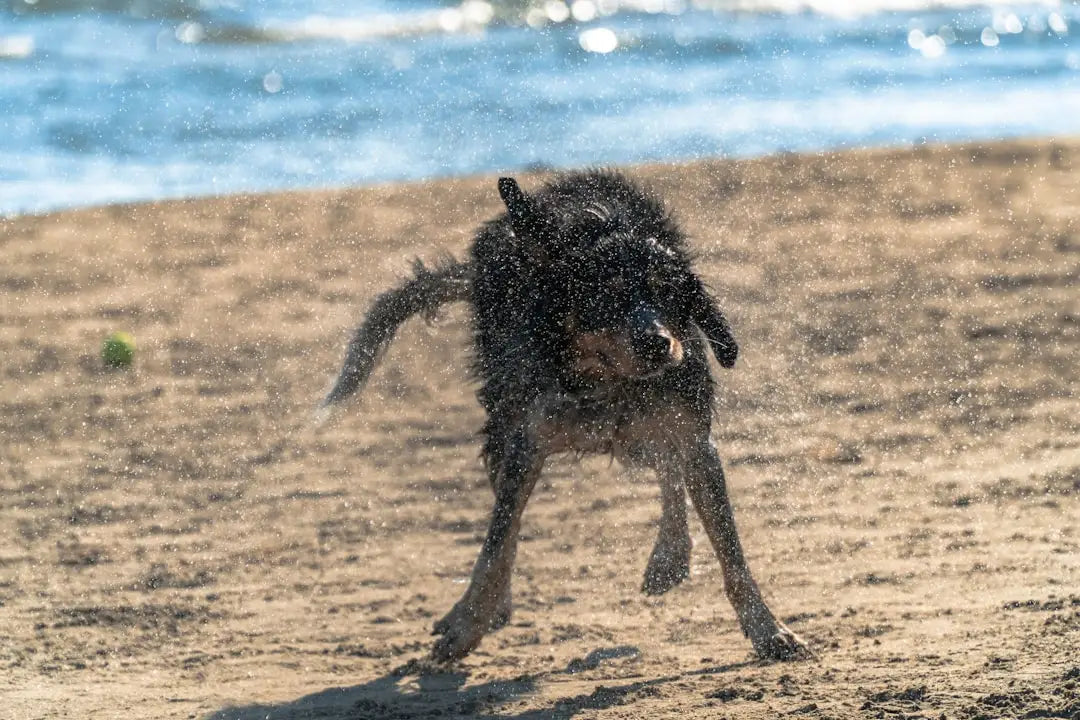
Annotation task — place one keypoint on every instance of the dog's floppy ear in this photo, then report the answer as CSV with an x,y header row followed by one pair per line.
x,y
714,326
517,202
525,218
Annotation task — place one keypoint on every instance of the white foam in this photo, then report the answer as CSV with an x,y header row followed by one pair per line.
x,y
854,8
470,16
16,47
474,16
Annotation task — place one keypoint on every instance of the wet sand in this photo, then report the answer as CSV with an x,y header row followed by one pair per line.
x,y
901,435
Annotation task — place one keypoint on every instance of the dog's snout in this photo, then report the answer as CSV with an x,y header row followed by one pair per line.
x,y
653,340
656,346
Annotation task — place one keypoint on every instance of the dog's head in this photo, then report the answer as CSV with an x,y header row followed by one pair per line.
x,y
616,276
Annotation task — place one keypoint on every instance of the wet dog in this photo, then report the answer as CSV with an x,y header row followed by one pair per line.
x,y
591,329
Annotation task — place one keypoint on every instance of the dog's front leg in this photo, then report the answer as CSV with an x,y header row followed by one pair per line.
x,y
708,491
669,563
473,615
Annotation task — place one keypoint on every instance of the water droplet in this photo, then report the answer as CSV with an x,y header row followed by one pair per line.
x,y
190,33
556,11
583,10
989,37
451,20
1057,24
1007,24
607,7
598,40
933,47
401,59
535,17
477,12
272,82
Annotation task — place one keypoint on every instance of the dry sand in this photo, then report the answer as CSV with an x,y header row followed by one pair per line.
x,y
902,437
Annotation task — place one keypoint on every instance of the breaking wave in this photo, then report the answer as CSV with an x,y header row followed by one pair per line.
x,y
214,21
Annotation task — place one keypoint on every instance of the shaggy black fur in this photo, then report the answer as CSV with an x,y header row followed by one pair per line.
x,y
590,335
587,252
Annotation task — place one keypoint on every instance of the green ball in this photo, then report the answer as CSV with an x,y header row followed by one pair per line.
x,y
118,350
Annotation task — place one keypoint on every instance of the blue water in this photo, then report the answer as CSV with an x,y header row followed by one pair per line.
x,y
116,100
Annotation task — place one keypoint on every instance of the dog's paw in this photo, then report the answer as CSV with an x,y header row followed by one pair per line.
x,y
783,645
443,624
666,569
461,632
504,610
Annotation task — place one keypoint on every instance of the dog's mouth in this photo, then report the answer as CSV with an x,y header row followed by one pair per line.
x,y
608,355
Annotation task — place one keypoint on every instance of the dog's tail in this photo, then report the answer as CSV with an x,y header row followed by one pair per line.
x,y
422,294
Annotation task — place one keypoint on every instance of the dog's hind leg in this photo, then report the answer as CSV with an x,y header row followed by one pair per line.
x,y
707,487
504,607
669,563
465,625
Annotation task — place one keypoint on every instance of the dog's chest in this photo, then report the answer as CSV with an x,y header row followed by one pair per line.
x,y
629,428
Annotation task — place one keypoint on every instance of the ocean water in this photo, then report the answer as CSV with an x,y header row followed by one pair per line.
x,y
114,100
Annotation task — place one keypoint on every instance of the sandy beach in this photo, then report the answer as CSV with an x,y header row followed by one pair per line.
x,y
901,434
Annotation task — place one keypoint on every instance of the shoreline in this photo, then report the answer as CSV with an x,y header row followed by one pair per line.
x,y
884,150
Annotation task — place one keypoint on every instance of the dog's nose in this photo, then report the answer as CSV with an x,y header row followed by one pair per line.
x,y
657,347
652,339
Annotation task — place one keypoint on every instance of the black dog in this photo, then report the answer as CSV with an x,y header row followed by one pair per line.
x,y
590,336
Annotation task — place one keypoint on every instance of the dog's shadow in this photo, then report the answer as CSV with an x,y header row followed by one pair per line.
x,y
417,690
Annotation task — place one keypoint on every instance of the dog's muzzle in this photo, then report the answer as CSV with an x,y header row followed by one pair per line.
x,y
653,343
641,347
